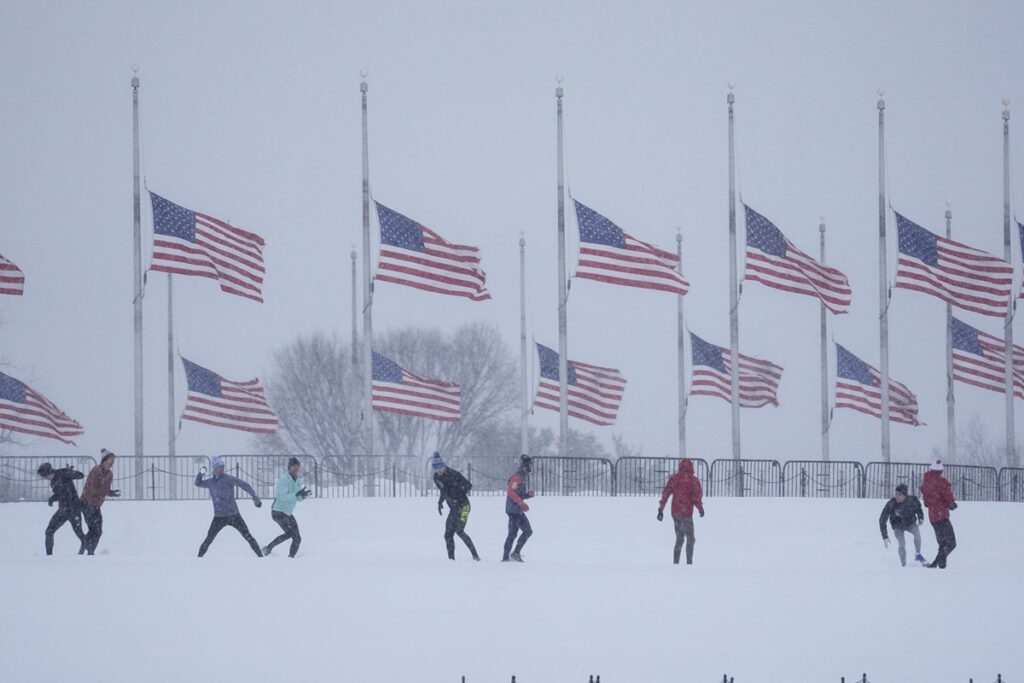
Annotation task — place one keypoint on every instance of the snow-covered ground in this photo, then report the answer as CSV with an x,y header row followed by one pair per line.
x,y
781,590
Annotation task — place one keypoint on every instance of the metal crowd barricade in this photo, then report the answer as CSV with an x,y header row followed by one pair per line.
x,y
573,476
640,476
881,478
759,478
1011,484
488,474
823,479
20,480
158,477
262,471
972,482
347,476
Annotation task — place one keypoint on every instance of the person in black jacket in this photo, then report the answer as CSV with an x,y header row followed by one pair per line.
x,y
904,513
69,508
455,490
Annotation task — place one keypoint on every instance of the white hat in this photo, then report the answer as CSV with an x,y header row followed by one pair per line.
x,y
936,466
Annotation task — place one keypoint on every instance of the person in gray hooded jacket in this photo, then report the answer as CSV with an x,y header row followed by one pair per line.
x,y
225,510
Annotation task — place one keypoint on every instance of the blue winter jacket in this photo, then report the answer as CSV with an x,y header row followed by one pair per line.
x,y
285,491
222,491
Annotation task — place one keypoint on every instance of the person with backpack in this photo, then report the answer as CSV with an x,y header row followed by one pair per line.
x,y
938,498
516,509
225,510
903,512
288,492
454,489
687,494
69,507
95,491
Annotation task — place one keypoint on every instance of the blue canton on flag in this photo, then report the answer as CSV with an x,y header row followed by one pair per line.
x,y
597,229
979,359
202,380
965,338
851,367
385,369
707,354
173,220
549,365
398,230
917,242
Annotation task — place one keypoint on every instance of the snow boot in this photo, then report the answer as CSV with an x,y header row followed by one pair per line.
x,y
266,550
516,557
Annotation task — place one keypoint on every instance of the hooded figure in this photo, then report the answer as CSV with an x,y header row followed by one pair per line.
x,y
687,494
938,498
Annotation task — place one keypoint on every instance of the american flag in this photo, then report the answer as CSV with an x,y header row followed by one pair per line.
x,y
980,359
396,390
964,277
712,368
607,254
413,255
24,410
191,243
859,386
12,280
1020,231
774,261
594,393
220,402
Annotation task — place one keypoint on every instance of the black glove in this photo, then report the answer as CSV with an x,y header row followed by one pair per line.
x,y
304,493
440,507
116,493
701,513
952,506
661,515
257,502
50,503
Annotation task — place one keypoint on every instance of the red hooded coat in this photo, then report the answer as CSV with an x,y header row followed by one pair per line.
x,y
685,490
938,495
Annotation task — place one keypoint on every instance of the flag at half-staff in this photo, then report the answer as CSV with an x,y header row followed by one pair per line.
x,y
12,280
979,359
712,368
965,277
220,402
191,243
859,386
594,392
608,254
774,261
396,390
413,255
26,411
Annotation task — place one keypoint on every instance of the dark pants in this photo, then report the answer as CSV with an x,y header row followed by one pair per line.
x,y
94,518
64,513
684,531
291,530
237,522
946,539
517,522
456,525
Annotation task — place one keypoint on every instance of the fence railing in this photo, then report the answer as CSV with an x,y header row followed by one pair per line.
x,y
171,478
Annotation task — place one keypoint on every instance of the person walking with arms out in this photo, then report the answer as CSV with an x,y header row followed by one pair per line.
x,y
938,498
904,513
288,491
516,509
69,507
687,494
95,491
454,489
225,510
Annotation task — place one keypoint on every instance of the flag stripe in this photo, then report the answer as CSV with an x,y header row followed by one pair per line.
x,y
856,395
240,405
758,379
24,410
12,280
987,370
594,393
413,395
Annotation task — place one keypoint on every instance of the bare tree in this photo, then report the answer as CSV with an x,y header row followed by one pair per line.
x,y
976,445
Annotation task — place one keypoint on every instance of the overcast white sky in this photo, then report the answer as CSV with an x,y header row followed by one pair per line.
x,y
250,112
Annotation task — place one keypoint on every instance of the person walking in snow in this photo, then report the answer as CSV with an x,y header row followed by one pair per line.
x,y
454,489
516,509
904,513
69,507
225,510
687,494
95,491
288,491
938,498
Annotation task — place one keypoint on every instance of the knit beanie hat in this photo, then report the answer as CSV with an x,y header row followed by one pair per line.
x,y
104,454
901,488
216,462
936,466
436,462
293,461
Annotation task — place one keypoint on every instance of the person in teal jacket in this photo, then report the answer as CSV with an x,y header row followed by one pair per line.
x,y
287,492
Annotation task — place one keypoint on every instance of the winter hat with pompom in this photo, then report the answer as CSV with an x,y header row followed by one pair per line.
x,y
216,462
936,466
436,462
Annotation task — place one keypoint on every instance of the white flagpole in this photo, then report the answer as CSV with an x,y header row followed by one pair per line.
x,y
824,363
950,392
171,460
563,353
1011,439
681,351
367,290
734,323
137,298
355,312
883,288
524,427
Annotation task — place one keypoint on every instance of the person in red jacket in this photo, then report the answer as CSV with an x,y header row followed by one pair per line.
x,y
96,490
686,494
938,498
